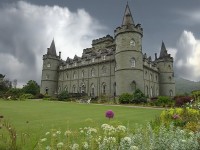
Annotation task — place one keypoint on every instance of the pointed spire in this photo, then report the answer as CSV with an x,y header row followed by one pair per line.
x,y
52,50
163,51
127,19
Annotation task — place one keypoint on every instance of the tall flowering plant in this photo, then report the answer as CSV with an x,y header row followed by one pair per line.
x,y
109,114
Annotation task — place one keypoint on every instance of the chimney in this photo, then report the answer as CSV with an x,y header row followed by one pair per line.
x,y
59,54
156,56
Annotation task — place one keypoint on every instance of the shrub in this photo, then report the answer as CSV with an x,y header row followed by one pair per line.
x,y
125,98
162,101
181,100
180,117
39,96
139,97
63,96
14,93
26,96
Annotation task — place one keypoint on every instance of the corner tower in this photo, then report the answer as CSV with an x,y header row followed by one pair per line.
x,y
166,72
49,80
128,55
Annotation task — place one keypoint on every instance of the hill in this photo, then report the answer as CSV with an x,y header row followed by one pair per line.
x,y
184,86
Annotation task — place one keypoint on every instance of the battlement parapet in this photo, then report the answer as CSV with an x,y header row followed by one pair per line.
x,y
107,38
129,28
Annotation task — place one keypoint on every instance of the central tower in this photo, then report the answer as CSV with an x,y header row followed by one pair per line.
x,y
128,55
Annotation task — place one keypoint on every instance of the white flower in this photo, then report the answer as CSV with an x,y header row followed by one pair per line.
x,y
47,133
75,146
43,140
58,132
134,148
54,135
67,132
85,145
60,145
48,148
121,128
183,141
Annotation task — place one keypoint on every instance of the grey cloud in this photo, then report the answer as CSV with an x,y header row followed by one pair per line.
x,y
26,30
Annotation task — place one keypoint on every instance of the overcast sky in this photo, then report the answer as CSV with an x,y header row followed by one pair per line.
x,y
28,27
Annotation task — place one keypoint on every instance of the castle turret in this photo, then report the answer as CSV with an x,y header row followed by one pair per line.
x,y
128,55
166,76
49,80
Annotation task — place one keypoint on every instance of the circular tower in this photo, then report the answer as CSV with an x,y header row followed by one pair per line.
x,y
128,55
166,73
49,81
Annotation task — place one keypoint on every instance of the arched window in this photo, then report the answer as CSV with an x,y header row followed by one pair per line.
x,y
157,92
93,59
132,42
147,91
92,72
83,88
133,86
150,76
82,74
59,89
66,88
74,89
103,88
132,62
151,92
48,65
74,75
103,70
92,87
104,57
46,76
170,93
66,76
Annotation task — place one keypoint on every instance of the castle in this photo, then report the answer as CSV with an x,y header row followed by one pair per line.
x,y
112,66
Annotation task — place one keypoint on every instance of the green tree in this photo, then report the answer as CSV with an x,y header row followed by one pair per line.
x,y
5,84
31,87
139,97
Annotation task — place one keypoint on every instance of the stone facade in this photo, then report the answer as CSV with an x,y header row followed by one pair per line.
x,y
112,66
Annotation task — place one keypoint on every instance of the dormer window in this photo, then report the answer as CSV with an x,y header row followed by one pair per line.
x,y
67,65
48,65
75,64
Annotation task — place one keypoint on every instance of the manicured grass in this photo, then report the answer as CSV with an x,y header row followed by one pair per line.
x,y
37,117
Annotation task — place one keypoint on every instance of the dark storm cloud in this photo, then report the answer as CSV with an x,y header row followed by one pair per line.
x,y
26,30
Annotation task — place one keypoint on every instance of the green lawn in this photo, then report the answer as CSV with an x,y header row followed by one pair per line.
x,y
37,117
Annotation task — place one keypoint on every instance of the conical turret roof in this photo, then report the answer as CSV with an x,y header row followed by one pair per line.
x,y
127,19
163,51
52,50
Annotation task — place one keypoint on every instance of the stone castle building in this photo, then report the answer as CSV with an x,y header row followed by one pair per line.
x,y
112,66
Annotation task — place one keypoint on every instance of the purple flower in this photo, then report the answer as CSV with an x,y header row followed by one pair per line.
x,y
109,114
175,116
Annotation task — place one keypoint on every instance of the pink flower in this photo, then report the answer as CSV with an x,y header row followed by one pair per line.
x,y
175,116
109,114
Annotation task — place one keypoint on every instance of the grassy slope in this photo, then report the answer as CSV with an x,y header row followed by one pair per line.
x,y
186,86
42,116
